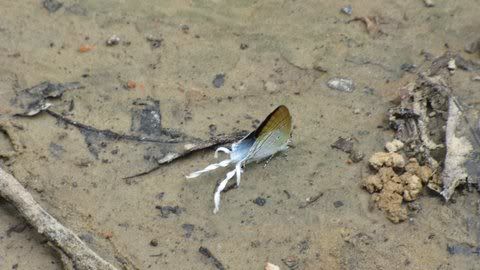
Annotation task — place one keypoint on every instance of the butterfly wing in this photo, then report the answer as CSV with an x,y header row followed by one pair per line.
x,y
272,135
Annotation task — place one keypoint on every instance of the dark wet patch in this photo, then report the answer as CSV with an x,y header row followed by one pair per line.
x,y
94,141
146,117
219,80
260,201
188,228
76,9
165,211
463,249
17,228
56,150
52,5
87,237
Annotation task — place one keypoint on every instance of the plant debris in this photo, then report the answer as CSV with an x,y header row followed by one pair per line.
x,y
74,253
439,158
458,151
310,200
372,23
31,101
206,252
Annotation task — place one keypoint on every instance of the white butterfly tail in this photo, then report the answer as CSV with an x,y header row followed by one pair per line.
x,y
210,167
222,149
220,188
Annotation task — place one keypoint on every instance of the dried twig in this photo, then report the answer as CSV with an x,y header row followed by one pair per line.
x,y
192,147
74,253
310,200
108,133
458,149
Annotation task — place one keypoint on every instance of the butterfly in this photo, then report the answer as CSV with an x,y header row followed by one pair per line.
x,y
272,136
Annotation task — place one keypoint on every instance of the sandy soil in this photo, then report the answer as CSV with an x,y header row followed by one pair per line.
x,y
287,47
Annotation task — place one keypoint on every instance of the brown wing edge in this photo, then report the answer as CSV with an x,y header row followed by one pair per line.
x,y
260,128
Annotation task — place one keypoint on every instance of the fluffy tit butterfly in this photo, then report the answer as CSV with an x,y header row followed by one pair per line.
x,y
272,136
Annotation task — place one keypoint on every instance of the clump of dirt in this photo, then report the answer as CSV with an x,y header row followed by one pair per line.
x,y
396,182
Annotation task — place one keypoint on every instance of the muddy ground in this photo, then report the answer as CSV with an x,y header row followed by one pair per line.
x,y
271,53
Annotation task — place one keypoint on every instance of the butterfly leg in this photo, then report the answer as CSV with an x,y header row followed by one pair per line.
x,y
268,160
221,186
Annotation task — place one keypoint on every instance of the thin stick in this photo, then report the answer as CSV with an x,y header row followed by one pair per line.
x,y
63,239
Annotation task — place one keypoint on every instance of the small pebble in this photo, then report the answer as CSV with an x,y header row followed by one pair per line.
x,y
347,9
271,266
219,80
428,3
452,65
131,84
260,201
185,28
155,42
337,204
154,242
243,46
356,156
113,40
160,195
341,84
52,5
476,78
